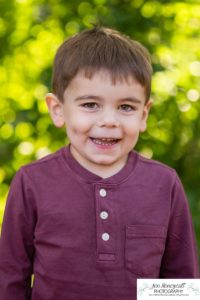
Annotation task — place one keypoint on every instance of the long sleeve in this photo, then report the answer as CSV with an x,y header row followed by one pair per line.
x,y
180,257
16,242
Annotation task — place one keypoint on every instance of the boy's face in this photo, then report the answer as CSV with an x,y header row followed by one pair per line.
x,y
102,120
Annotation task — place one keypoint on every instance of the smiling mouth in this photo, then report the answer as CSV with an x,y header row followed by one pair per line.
x,y
105,141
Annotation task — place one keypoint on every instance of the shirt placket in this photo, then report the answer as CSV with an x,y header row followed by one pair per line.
x,y
105,223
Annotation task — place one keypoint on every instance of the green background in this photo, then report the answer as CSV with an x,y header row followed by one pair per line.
x,y
30,33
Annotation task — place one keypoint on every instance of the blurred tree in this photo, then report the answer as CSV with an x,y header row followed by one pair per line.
x,y
30,33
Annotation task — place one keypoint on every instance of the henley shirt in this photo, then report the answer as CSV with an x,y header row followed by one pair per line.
x,y
88,238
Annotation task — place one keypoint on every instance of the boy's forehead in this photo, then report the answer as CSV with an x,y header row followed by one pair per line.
x,y
102,81
105,75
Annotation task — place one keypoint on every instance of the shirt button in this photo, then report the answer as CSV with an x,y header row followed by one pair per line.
x,y
102,192
105,236
104,215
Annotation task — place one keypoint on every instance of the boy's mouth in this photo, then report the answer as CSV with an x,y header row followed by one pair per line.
x,y
105,141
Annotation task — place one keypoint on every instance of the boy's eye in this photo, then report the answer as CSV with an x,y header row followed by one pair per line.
x,y
90,105
127,107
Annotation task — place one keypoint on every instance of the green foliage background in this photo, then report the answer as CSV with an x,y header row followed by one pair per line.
x,y
30,33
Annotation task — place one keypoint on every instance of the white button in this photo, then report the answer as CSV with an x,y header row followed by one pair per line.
x,y
104,215
105,237
102,192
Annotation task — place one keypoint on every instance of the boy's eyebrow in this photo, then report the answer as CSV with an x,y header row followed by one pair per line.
x,y
85,97
132,99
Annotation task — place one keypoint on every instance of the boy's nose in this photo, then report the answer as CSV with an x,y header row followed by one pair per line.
x,y
108,119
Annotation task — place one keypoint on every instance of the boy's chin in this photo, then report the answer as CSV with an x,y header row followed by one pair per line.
x,y
108,161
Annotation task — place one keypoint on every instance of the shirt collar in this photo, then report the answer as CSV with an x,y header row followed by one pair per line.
x,y
87,176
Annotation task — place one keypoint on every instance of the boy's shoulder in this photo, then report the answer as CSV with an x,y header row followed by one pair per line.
x,y
149,162
47,162
154,169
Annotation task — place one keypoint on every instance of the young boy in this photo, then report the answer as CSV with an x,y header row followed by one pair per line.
x,y
90,219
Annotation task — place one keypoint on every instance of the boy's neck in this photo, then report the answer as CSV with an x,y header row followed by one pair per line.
x,y
101,170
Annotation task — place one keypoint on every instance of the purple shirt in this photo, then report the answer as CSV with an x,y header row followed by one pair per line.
x,y
88,238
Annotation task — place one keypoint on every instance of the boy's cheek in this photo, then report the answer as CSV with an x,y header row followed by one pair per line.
x,y
78,123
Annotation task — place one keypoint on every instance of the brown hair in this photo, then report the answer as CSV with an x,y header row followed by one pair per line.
x,y
101,48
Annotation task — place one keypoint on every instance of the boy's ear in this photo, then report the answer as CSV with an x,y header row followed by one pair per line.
x,y
55,108
146,110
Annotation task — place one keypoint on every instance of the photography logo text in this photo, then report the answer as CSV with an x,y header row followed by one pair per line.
x,y
168,288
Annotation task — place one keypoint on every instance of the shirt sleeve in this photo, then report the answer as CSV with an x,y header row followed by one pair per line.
x,y
16,242
180,259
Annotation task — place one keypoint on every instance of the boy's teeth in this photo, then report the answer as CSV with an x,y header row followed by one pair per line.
x,y
105,141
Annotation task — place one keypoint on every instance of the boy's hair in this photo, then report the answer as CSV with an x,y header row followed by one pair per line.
x,y
101,48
